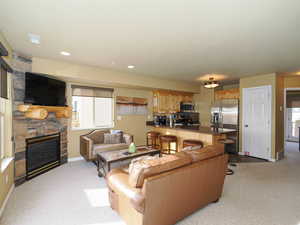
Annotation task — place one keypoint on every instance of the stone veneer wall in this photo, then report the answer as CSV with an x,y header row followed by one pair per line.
x,y
23,127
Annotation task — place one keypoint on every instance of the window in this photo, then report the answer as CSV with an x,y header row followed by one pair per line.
x,y
2,140
3,82
92,107
5,111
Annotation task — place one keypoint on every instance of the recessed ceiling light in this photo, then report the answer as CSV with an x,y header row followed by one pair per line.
x,y
34,39
65,53
131,67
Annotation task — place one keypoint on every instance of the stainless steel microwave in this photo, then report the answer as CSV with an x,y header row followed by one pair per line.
x,y
187,107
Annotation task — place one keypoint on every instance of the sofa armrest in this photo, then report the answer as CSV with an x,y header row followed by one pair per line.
x,y
86,147
117,181
127,138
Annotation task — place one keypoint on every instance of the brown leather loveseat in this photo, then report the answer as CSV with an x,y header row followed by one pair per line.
x,y
165,190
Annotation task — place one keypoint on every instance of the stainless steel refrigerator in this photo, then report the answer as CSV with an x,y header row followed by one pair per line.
x,y
225,114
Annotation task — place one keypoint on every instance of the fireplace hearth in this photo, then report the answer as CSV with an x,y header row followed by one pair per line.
x,y
42,154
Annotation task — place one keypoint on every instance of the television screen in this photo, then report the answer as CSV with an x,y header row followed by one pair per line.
x,y
42,90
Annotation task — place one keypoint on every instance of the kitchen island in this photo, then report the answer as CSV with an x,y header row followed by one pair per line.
x,y
207,135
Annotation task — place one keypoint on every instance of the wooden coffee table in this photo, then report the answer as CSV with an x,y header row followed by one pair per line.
x,y
105,159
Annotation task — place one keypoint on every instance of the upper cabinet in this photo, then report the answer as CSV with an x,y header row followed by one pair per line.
x,y
169,101
233,93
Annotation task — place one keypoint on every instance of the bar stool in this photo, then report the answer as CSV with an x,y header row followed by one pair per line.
x,y
152,138
190,142
168,139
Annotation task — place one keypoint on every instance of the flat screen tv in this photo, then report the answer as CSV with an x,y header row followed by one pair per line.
x,y
42,90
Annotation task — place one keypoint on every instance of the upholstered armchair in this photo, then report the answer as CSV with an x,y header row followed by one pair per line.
x,y
96,141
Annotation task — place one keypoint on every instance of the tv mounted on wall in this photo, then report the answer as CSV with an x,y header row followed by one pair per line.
x,y
42,90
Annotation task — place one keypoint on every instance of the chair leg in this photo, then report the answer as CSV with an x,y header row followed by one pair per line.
x,y
159,143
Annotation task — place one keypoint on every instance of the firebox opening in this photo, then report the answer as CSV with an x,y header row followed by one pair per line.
x,y
42,154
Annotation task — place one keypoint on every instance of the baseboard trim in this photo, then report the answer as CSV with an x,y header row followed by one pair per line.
x,y
241,153
6,199
73,159
272,160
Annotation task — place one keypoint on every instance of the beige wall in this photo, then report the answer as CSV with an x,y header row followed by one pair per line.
x,y
279,138
255,81
98,76
8,173
203,102
135,124
5,187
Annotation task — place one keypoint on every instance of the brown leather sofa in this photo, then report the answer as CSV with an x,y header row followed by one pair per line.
x,y
93,142
194,179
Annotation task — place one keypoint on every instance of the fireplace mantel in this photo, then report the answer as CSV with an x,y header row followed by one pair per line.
x,y
40,112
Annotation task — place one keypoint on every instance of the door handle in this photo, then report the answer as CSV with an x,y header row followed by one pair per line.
x,y
246,125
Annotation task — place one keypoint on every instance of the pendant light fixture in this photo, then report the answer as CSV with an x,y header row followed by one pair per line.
x,y
211,83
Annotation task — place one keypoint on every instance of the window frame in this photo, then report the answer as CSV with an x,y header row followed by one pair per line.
x,y
2,128
96,127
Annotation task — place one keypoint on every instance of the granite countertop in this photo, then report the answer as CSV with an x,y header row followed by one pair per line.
x,y
199,129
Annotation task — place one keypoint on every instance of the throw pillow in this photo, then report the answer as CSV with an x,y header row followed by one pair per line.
x,y
145,157
146,168
115,131
113,138
189,148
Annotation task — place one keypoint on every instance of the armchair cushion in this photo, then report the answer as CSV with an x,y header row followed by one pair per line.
x,y
108,147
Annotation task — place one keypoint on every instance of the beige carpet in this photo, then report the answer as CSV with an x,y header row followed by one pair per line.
x,y
258,194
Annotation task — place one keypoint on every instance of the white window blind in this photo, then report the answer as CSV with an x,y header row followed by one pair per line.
x,y
92,107
103,112
2,114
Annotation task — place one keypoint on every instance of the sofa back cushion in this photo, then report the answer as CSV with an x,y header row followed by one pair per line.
x,y
206,152
113,138
97,136
142,169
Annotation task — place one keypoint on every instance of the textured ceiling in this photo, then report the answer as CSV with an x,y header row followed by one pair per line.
x,y
172,39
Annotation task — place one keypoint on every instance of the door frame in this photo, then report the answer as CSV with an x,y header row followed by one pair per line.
x,y
268,88
284,112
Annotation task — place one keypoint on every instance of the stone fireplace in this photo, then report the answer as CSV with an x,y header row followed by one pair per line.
x,y
25,129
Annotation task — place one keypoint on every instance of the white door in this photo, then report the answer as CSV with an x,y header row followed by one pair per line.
x,y
256,124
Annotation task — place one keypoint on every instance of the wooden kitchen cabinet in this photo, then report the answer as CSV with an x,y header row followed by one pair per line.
x,y
169,101
233,93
